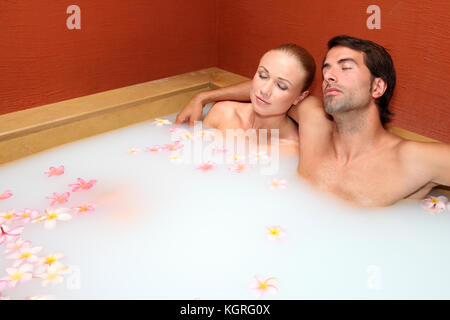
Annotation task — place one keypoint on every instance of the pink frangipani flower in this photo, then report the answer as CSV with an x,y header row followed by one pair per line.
x,y
7,217
85,208
55,171
207,166
18,275
262,286
25,254
161,122
132,151
82,185
173,147
52,215
238,167
154,149
277,184
52,274
52,258
17,245
275,232
434,205
5,195
27,215
8,234
58,198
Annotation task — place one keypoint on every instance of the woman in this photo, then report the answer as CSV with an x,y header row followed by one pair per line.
x,y
283,76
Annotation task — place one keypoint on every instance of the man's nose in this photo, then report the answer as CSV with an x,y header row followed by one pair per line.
x,y
329,76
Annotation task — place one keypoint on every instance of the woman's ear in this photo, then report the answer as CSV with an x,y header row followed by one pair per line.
x,y
378,87
301,97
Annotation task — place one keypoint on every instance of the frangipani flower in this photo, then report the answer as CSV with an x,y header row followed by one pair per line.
x,y
5,195
239,167
8,234
82,185
18,275
50,259
154,149
236,158
175,158
208,166
17,245
55,171
260,157
52,215
173,147
59,198
41,297
53,274
86,208
7,217
27,215
25,254
262,286
275,232
278,184
133,150
161,122
434,204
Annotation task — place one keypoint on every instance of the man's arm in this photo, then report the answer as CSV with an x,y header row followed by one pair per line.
x,y
193,110
430,160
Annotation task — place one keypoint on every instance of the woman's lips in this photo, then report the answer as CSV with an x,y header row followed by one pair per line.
x,y
261,101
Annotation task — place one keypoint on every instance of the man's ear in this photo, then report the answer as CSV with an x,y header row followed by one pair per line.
x,y
378,87
301,97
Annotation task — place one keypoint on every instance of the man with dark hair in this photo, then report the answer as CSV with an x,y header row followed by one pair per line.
x,y
344,147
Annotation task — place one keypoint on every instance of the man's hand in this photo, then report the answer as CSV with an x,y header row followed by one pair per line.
x,y
191,112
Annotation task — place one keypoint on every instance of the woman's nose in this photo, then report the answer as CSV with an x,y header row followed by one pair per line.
x,y
266,89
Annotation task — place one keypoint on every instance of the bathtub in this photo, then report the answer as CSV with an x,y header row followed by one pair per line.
x,y
166,229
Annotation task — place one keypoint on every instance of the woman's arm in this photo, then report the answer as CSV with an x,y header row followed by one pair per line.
x,y
193,110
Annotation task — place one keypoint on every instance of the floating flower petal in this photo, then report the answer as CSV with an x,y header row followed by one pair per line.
x,y
9,234
173,147
239,167
53,215
154,149
53,274
434,205
55,171
82,185
86,208
5,195
7,217
25,254
133,150
278,184
208,166
27,215
176,158
17,245
275,232
18,275
262,286
58,198
161,122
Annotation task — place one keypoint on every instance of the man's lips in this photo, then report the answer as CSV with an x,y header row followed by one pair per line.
x,y
261,101
332,91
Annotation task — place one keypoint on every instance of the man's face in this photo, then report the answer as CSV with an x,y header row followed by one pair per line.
x,y
346,82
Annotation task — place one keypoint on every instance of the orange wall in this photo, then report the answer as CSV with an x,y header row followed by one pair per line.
x,y
415,32
120,43
127,42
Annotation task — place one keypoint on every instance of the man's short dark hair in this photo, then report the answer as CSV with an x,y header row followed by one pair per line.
x,y
380,64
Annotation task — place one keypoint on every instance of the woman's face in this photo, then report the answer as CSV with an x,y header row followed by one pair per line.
x,y
277,83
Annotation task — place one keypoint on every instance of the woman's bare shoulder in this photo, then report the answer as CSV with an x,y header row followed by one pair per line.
x,y
220,113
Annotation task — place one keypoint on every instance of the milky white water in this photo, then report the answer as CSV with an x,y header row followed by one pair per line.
x,y
162,230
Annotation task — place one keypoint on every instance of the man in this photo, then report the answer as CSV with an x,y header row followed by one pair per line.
x,y
344,147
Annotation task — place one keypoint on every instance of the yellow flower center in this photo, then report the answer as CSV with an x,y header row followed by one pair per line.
x,y
16,276
52,216
25,255
274,231
50,260
8,216
263,285
434,200
52,276
25,215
